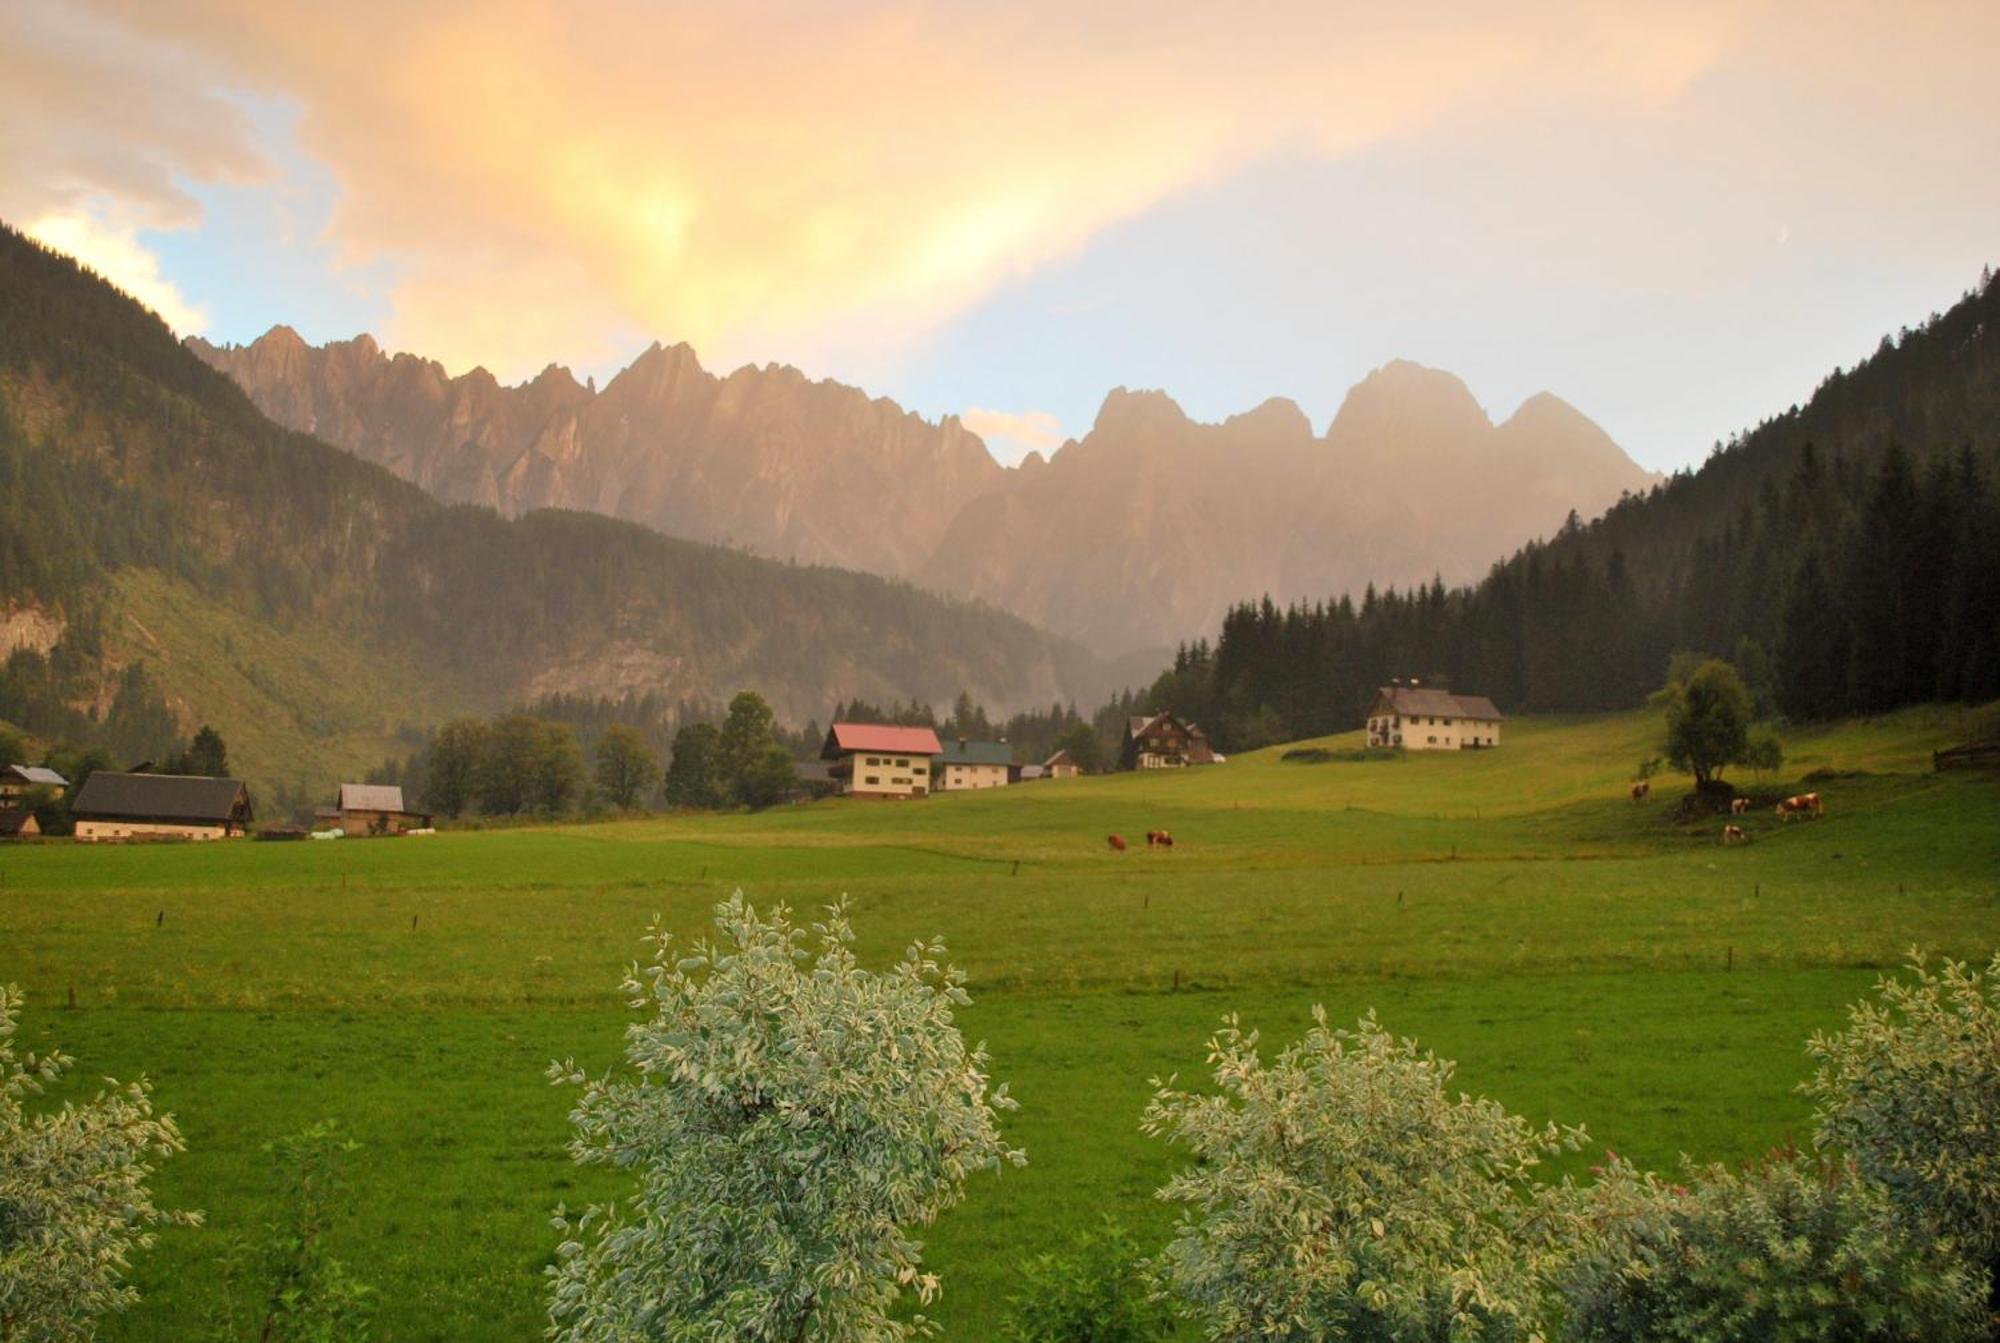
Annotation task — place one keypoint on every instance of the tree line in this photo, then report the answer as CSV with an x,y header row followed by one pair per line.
x,y
1841,555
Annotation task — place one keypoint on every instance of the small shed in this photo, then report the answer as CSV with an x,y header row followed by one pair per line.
x,y
18,823
376,809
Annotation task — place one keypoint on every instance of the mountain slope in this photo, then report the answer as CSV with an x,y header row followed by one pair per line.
x,y
133,472
1151,526
1133,537
762,459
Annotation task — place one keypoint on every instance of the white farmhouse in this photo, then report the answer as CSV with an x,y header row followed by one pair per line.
x,y
1419,719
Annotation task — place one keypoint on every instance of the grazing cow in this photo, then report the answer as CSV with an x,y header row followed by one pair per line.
x,y
1159,839
1641,789
1738,805
1117,843
1733,834
1805,804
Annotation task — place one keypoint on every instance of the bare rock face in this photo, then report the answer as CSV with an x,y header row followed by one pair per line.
x,y
1140,534
763,459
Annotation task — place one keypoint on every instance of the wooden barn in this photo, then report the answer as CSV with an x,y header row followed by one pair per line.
x,y
375,809
1162,741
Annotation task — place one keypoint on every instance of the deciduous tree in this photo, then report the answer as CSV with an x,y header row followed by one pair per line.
x,y
74,1196
627,770
791,1117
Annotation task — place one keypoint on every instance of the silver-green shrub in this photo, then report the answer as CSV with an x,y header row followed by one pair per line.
x,y
1911,1090
1792,1250
1341,1192
74,1202
789,1117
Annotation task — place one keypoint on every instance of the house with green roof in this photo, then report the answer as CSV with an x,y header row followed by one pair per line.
x,y
966,764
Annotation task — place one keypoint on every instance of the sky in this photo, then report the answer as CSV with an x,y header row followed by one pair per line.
x,y
1678,218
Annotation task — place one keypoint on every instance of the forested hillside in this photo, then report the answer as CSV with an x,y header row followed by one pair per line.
x,y
1844,553
164,543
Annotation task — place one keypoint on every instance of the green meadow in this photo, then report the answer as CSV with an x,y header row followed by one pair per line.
x,y
1584,958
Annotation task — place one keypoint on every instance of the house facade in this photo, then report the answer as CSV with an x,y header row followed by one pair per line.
x,y
375,809
1061,766
17,781
160,806
1162,741
1419,719
878,760
963,765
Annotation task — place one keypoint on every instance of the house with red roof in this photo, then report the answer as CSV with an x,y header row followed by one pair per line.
x,y
880,760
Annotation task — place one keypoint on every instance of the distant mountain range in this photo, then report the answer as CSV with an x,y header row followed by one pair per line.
x,y
1134,537
318,609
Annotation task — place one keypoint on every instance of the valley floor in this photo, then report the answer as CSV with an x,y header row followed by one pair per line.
x,y
1584,959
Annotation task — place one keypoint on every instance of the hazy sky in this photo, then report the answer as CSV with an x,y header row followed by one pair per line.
x,y
1678,218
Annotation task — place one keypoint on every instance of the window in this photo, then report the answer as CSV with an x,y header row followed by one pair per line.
x,y
872,779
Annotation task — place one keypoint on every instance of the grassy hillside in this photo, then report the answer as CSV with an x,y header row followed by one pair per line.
x,y
1586,959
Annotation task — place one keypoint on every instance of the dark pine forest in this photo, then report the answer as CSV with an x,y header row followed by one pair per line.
x,y
1845,554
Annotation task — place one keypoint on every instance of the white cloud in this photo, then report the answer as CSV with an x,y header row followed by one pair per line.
x,y
115,252
1021,432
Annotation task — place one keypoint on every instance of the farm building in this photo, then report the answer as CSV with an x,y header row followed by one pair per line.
x,y
18,780
18,823
160,806
877,760
1162,741
1061,766
966,764
375,809
1420,719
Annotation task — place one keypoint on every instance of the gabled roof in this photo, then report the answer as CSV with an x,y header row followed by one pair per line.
x,y
14,820
371,797
845,737
159,797
1412,701
1059,758
34,774
1139,724
977,753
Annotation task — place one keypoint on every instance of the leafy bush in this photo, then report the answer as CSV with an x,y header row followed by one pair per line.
x,y
1096,1292
301,1294
1911,1090
1791,1249
73,1198
1340,1193
791,1116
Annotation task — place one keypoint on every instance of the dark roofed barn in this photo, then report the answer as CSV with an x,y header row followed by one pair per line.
x,y
160,806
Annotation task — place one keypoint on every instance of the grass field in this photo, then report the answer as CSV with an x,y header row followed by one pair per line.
x,y
1584,959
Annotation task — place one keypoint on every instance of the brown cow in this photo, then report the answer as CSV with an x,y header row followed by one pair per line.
x,y
1641,789
1733,834
1159,839
1117,843
1805,804
1738,805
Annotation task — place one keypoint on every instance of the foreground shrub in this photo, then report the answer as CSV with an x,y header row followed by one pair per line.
x,y
1340,1193
790,1117
1792,1249
1095,1292
1911,1090
285,1288
73,1198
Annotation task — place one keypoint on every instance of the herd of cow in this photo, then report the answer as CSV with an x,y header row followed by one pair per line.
x,y
1802,806
1155,839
